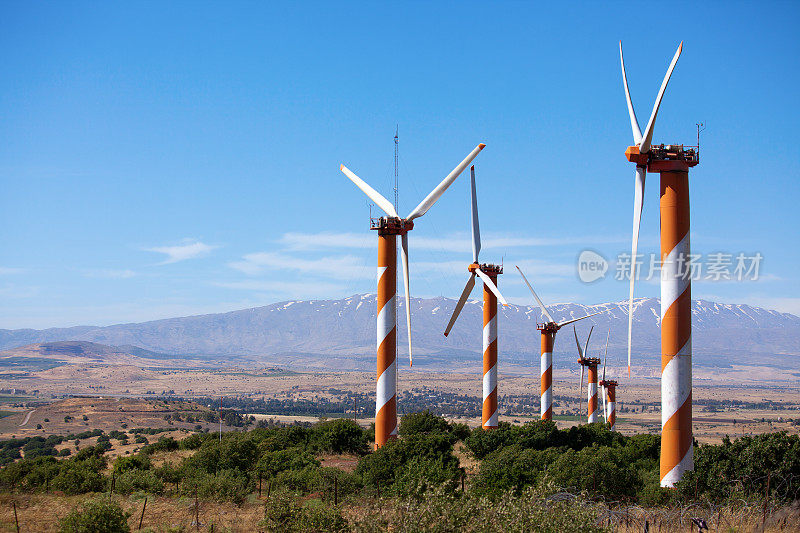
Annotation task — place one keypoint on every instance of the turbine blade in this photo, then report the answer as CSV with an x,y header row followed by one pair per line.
x,y
578,344
638,200
571,320
637,133
586,346
461,301
404,257
605,359
374,195
492,287
476,229
429,200
580,388
648,131
536,297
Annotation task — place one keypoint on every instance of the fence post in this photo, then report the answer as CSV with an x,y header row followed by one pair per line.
x,y
259,485
141,518
16,520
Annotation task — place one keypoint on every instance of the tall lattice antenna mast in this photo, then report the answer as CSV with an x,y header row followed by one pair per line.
x,y
396,142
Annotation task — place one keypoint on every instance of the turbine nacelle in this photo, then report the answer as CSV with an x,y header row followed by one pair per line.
x,y
392,225
488,269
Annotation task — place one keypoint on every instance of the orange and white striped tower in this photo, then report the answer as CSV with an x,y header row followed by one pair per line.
x,y
676,318
591,391
489,411
548,337
610,386
672,162
548,332
591,364
386,390
388,229
491,294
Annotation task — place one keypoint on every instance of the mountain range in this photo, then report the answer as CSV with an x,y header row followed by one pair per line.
x,y
340,334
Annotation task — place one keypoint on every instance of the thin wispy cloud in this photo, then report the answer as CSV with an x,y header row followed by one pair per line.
x,y
282,288
458,242
5,271
191,249
336,267
106,273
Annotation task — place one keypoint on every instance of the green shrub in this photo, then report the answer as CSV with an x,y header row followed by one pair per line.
x,y
78,478
341,435
96,516
512,469
442,511
273,462
422,422
739,468
133,462
139,481
224,486
283,513
303,481
416,461
237,451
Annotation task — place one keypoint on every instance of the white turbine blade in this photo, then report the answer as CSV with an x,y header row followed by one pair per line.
x,y
580,387
544,309
648,131
586,346
461,301
571,320
404,257
578,344
605,408
605,359
638,200
637,133
374,195
492,287
429,200
476,229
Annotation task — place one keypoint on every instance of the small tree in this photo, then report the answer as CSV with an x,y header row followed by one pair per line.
x,y
99,515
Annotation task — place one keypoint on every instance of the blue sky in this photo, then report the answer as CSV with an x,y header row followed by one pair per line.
x,y
170,159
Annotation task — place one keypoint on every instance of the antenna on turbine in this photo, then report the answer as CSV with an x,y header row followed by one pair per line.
x,y
701,126
396,142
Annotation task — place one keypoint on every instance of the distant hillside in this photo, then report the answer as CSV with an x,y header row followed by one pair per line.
x,y
44,355
342,332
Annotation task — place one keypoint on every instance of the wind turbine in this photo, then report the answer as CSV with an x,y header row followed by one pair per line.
x,y
609,391
548,336
488,274
672,162
388,228
590,363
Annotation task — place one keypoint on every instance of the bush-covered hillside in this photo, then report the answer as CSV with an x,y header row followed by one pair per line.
x,y
452,478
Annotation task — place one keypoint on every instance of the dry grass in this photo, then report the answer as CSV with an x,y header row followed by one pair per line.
x,y
41,513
